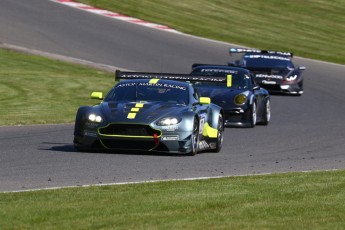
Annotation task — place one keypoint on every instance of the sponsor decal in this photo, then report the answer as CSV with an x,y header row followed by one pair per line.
x,y
212,145
185,77
154,83
219,71
268,82
170,138
175,86
279,77
245,50
125,85
90,133
201,125
91,124
170,128
229,80
242,50
203,145
267,57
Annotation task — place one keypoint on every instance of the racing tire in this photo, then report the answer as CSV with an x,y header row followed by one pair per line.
x,y
299,91
266,115
220,128
195,137
81,149
253,116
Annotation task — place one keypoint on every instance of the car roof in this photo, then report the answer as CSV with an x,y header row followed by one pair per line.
x,y
263,55
223,67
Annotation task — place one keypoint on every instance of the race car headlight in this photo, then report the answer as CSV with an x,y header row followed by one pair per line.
x,y
95,118
240,99
291,78
169,121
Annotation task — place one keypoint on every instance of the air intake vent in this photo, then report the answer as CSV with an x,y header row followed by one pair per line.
x,y
137,130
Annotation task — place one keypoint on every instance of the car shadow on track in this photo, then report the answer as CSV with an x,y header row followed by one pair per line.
x,y
284,94
63,147
59,147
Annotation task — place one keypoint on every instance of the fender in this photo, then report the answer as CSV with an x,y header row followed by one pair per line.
x,y
213,120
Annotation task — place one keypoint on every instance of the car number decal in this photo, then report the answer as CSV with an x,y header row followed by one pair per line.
x,y
170,138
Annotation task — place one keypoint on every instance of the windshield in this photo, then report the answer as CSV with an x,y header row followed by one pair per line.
x,y
235,80
266,61
140,91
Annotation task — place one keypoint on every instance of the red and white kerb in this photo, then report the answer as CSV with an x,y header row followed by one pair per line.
x,y
114,15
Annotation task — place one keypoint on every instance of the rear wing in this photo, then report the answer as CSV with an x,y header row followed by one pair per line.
x,y
200,64
245,50
168,76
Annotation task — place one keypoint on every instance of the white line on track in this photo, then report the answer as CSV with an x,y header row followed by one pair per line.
x,y
156,181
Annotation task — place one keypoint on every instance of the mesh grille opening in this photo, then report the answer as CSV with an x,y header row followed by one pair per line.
x,y
129,130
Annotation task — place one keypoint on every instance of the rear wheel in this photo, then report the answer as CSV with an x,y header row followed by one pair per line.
x,y
195,137
220,129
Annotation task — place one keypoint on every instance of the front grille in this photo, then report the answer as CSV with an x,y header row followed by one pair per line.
x,y
138,130
121,136
233,117
271,87
144,145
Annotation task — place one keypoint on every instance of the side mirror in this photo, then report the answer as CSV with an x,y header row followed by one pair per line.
x,y
256,87
97,95
205,100
302,68
234,63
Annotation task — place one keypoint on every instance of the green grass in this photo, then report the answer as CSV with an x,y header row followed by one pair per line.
x,y
37,90
283,201
311,28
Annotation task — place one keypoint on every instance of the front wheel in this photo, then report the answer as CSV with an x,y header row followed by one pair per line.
x,y
220,130
266,116
252,119
195,138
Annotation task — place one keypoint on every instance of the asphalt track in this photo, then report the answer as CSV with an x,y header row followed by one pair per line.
x,y
306,133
